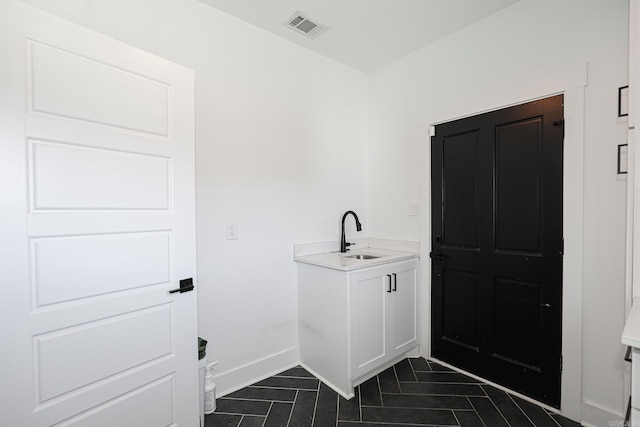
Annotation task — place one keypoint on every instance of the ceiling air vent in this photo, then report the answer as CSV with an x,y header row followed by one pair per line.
x,y
300,23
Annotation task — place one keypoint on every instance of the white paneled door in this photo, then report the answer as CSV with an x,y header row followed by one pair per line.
x,y
98,208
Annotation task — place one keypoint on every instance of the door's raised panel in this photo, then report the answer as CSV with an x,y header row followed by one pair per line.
x,y
460,190
71,86
70,177
89,398
134,409
518,172
73,268
460,313
69,359
517,322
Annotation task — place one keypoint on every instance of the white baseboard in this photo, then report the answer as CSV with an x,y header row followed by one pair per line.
x,y
242,376
594,415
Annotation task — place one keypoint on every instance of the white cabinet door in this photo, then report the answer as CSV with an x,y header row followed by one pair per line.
x,y
403,299
369,323
383,315
98,208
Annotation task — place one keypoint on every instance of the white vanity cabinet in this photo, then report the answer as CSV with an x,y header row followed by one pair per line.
x,y
354,324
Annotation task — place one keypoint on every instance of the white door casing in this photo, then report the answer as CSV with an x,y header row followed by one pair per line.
x,y
98,224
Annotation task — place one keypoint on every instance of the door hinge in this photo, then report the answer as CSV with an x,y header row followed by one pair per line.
x,y
560,363
561,250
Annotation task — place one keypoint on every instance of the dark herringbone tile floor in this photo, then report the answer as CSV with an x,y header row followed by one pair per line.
x,y
414,392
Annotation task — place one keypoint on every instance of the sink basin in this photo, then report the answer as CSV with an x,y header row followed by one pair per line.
x,y
364,256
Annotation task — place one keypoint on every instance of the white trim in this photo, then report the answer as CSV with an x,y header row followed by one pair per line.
x,y
572,266
424,307
246,375
594,415
561,81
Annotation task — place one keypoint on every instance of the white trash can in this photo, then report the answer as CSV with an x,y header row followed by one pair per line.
x,y
202,369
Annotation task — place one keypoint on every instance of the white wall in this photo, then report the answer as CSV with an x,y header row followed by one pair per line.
x,y
281,149
512,56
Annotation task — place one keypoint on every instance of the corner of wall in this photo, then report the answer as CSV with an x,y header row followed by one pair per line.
x,y
258,370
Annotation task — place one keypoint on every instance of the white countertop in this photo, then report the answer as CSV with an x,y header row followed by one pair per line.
x,y
631,331
339,261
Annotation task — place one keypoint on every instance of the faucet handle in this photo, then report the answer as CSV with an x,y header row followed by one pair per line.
x,y
347,244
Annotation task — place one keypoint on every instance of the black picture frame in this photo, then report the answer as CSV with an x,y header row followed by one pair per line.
x,y
622,165
623,101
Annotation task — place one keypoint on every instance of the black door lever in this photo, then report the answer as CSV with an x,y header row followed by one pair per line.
x,y
186,285
438,256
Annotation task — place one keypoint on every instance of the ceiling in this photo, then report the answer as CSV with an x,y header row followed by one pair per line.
x,y
364,34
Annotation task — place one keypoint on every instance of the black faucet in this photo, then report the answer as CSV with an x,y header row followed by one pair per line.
x,y
343,241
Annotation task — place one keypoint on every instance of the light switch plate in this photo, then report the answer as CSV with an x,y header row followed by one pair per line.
x,y
232,230
414,208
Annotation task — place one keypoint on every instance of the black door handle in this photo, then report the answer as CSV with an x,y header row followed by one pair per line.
x,y
438,256
389,288
395,282
186,285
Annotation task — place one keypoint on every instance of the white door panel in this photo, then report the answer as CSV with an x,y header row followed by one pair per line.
x,y
140,403
108,393
74,177
98,210
79,267
74,86
98,350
